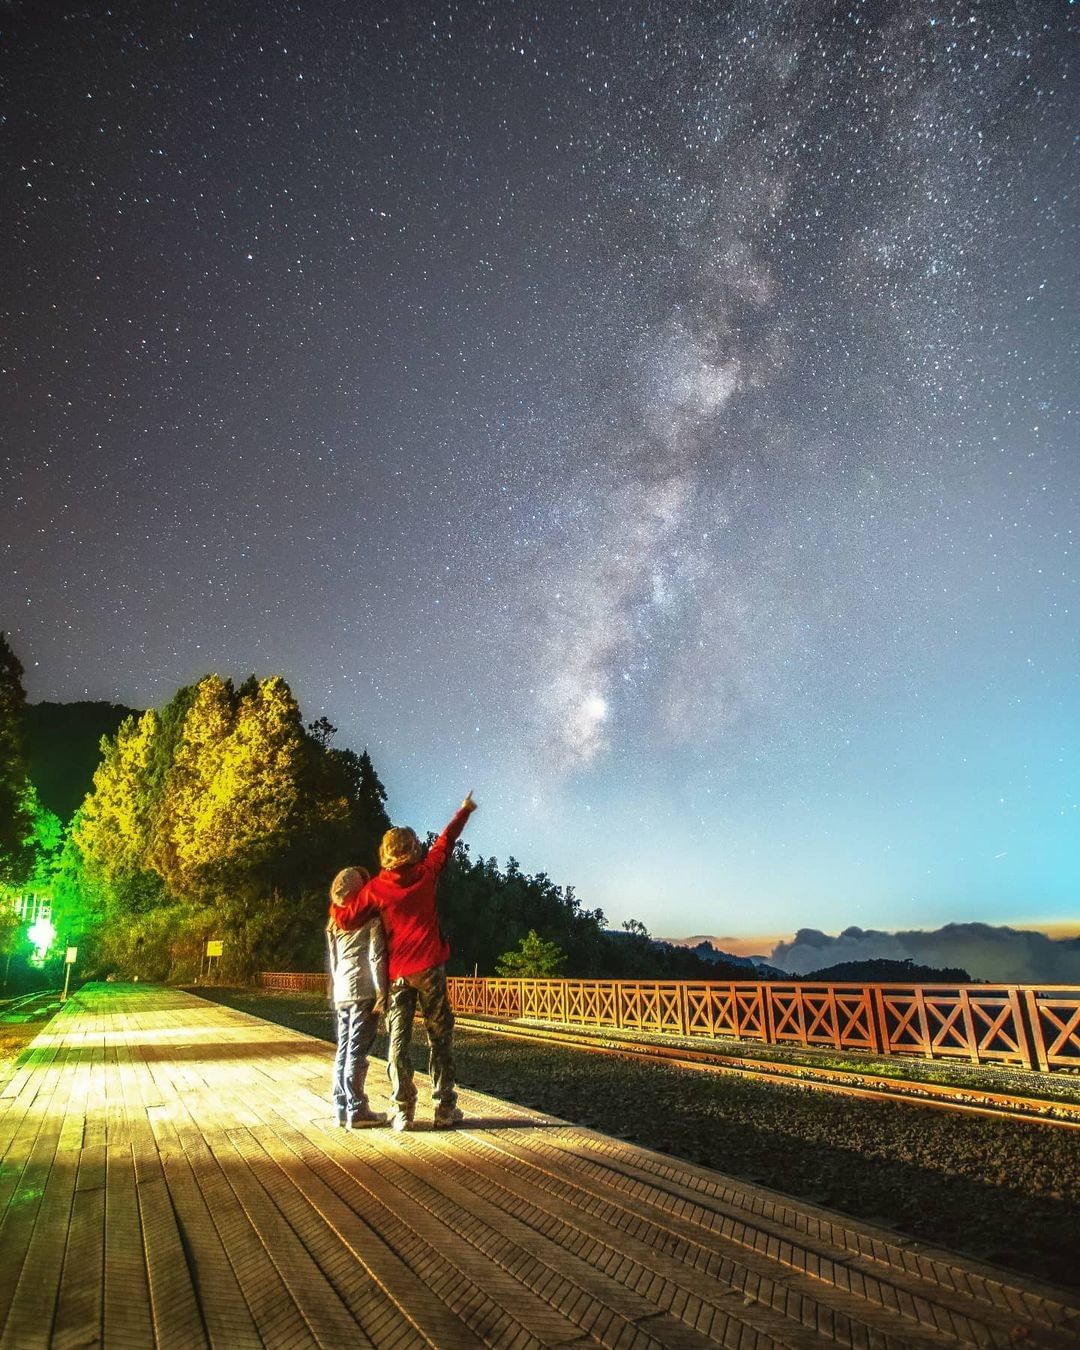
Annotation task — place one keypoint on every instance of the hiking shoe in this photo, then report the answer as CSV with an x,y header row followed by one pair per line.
x,y
365,1117
401,1121
446,1117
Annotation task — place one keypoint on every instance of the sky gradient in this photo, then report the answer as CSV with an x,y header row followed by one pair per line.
x,y
660,419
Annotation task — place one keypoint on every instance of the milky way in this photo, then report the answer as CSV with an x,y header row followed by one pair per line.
x,y
662,418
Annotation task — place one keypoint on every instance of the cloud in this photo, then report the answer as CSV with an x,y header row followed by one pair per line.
x,y
1001,955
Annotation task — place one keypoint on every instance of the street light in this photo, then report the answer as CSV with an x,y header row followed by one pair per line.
x,y
41,933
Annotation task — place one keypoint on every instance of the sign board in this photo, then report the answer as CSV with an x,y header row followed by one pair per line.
x,y
214,946
72,956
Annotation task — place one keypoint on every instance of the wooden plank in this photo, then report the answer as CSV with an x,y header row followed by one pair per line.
x,y
170,1177
228,1319
127,1320
340,1241
316,1299
20,1218
667,1245
601,1308
272,1309
78,1318
29,1318
421,1209
406,1268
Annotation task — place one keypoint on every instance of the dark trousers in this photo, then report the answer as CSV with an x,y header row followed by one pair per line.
x,y
356,1027
428,987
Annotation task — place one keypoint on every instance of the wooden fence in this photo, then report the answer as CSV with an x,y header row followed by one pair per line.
x,y
1023,1025
1033,1028
296,982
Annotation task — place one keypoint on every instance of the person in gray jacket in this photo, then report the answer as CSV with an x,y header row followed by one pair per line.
x,y
357,956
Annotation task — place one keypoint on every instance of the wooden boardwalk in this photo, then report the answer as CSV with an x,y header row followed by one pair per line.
x,y
171,1176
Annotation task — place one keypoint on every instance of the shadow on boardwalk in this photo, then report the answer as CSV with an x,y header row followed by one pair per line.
x,y
171,1175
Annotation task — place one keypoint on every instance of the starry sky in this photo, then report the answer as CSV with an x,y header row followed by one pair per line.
x,y
660,418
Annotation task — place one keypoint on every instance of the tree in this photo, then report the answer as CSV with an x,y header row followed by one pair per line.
x,y
367,820
113,831
534,959
482,907
222,815
16,812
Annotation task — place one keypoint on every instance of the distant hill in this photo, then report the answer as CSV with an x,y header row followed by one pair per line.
x,y
64,749
737,967
887,972
631,956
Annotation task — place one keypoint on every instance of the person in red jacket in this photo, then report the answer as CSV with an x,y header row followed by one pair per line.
x,y
404,892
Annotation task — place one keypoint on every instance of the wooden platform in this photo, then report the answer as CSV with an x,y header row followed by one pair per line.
x,y
171,1175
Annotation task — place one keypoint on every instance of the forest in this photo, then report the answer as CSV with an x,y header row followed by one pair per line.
x,y
222,816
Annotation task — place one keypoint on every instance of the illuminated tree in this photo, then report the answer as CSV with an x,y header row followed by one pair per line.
x,y
247,793
16,812
220,816
46,839
11,932
80,900
192,787
534,959
113,830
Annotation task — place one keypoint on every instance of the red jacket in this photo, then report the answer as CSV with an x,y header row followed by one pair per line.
x,y
406,900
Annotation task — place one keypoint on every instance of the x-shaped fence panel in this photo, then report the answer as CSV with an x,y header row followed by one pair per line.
x,y
544,1000
1054,1016
649,1006
592,1003
1035,1028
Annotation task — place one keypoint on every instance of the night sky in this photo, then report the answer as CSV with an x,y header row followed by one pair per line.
x,y
660,418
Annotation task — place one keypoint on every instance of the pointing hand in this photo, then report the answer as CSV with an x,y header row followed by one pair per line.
x,y
468,804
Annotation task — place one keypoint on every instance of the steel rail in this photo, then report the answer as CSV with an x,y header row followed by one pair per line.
x,y
16,1004
841,1082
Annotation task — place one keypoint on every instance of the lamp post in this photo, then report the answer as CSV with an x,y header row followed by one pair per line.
x,y
69,961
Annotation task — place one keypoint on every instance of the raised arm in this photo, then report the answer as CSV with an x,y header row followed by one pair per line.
x,y
441,849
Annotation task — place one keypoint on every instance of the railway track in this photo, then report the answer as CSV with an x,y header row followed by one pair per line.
x,y
25,1003
841,1082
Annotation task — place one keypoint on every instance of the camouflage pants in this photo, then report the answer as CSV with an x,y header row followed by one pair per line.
x,y
429,987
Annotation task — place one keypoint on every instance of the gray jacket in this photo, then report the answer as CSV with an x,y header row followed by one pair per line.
x,y
357,962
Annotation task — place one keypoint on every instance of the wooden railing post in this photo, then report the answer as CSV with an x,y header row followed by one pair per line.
x,y
684,1009
969,1027
769,1021
1032,998
1023,1035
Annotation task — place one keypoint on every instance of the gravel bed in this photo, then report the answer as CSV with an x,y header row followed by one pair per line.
x,y
1053,1087
1002,1191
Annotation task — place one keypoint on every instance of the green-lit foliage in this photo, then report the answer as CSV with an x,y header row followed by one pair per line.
x,y
221,816
532,959
10,930
46,840
80,902
16,812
